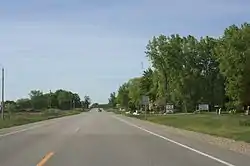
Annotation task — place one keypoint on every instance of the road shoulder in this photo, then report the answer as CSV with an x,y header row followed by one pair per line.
x,y
202,142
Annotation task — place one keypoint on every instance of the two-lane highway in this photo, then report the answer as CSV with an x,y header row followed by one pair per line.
x,y
105,139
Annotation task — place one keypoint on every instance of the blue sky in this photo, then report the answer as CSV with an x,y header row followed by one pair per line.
x,y
93,46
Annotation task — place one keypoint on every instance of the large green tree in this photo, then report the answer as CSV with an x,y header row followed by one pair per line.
x,y
23,104
112,99
76,100
233,54
65,99
123,95
87,101
187,71
211,81
155,51
38,99
134,92
149,84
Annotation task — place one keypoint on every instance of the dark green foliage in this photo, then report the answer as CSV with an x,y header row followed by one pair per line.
x,y
60,99
112,100
187,71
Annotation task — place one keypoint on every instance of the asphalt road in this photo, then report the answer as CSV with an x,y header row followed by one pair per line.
x,y
105,139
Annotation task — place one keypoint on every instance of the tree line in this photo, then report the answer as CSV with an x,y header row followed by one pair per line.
x,y
38,100
187,71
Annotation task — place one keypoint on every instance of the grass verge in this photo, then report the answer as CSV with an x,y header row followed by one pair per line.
x,y
235,127
116,111
21,118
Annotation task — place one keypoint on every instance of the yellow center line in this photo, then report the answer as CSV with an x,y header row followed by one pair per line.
x,y
45,159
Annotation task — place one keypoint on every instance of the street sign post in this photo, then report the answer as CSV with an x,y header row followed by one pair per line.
x,y
169,108
203,107
145,102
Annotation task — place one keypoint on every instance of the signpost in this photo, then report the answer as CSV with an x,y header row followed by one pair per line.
x,y
169,108
145,102
203,107
218,109
2,103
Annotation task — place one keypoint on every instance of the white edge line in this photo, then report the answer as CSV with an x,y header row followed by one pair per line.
x,y
177,143
77,129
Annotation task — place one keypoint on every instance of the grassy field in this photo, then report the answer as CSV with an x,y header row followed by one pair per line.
x,y
21,118
116,111
236,127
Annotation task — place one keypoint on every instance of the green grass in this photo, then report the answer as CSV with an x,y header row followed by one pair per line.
x,y
21,118
236,127
116,111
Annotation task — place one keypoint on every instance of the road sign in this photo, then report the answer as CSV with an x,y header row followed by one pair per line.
x,y
145,100
169,107
203,107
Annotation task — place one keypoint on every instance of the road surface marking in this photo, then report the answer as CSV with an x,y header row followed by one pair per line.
x,y
177,143
77,129
45,159
22,130
36,126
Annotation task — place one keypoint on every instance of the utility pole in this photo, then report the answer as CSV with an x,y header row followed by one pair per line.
x,y
50,100
142,67
2,105
74,104
143,97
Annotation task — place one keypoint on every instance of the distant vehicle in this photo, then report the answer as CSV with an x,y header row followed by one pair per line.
x,y
99,110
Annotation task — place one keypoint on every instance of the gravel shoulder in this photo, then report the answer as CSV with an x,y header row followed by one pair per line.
x,y
237,146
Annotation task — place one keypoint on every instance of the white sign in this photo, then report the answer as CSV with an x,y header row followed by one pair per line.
x,y
203,107
145,100
169,107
